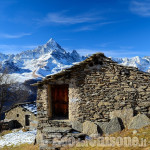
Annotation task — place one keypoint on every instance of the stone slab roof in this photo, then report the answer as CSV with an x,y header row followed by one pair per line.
x,y
27,106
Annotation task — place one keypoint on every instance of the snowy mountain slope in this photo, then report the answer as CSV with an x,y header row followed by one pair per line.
x,y
39,62
142,63
51,58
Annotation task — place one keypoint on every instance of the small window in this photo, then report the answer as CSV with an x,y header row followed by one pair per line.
x,y
17,115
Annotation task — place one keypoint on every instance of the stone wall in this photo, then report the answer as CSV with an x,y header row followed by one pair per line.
x,y
42,112
42,102
74,100
18,113
108,87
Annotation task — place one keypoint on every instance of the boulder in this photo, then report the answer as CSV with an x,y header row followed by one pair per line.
x,y
113,126
102,127
126,115
90,128
139,121
76,125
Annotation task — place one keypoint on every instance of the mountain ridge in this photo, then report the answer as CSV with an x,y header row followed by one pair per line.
x,y
142,63
39,62
51,58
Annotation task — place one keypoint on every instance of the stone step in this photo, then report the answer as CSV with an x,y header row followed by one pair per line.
x,y
57,130
56,123
53,135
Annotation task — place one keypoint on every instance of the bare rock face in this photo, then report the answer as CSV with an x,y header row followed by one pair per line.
x,y
113,126
126,115
90,128
139,121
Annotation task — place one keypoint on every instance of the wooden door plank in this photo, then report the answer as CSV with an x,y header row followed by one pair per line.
x,y
60,100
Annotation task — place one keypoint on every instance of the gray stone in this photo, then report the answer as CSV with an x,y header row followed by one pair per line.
x,y
102,126
90,128
113,126
76,125
57,129
139,121
137,108
125,115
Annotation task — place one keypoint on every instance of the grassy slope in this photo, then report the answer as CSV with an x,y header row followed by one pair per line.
x,y
21,147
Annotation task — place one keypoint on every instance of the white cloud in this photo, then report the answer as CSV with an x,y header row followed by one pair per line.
x,y
141,8
84,28
94,26
126,47
104,45
13,36
61,18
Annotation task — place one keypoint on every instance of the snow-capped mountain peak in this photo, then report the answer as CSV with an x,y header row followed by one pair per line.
x,y
142,63
52,42
53,45
39,62
50,58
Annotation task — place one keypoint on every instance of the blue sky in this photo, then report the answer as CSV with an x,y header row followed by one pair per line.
x,y
118,28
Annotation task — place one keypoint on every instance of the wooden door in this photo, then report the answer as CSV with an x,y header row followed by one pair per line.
x,y
60,101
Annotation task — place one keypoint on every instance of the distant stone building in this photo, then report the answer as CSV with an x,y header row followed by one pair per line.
x,y
25,114
92,90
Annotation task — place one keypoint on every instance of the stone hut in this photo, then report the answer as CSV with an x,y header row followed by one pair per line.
x,y
93,90
24,114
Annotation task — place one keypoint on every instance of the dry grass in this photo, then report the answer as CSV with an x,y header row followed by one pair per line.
x,y
109,148
21,147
